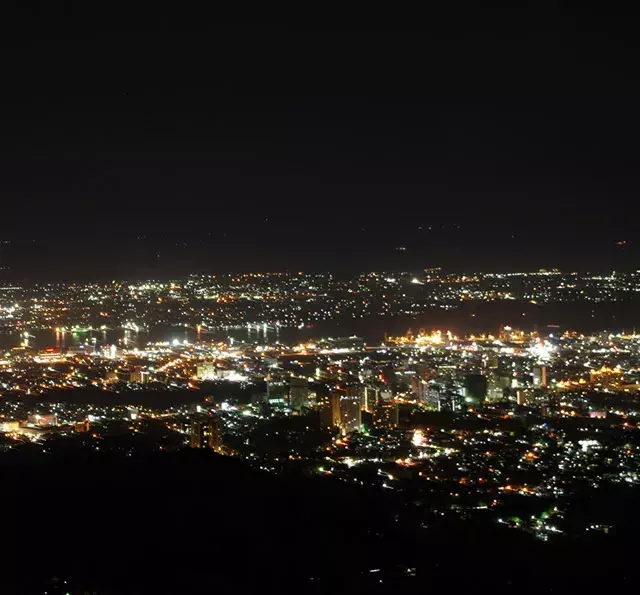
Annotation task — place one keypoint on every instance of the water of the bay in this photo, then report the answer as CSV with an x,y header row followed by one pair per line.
x,y
469,318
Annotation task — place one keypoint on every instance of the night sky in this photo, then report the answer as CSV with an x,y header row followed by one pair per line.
x,y
508,143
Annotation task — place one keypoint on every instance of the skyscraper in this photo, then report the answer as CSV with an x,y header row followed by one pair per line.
x,y
370,399
350,410
329,408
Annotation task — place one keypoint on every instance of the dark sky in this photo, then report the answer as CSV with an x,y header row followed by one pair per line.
x,y
507,141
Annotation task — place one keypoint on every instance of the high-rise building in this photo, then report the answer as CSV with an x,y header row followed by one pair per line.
x,y
370,399
328,408
492,361
525,397
432,395
350,410
276,390
386,416
450,398
419,387
298,393
206,433
540,376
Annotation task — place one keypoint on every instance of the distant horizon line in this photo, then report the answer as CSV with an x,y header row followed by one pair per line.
x,y
297,272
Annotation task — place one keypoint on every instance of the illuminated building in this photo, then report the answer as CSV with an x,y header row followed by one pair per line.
x,y
432,397
540,376
493,361
496,387
385,416
82,426
109,351
532,397
276,391
606,377
206,433
522,397
298,393
10,426
48,420
451,399
419,388
329,409
370,399
350,410
139,376
49,356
